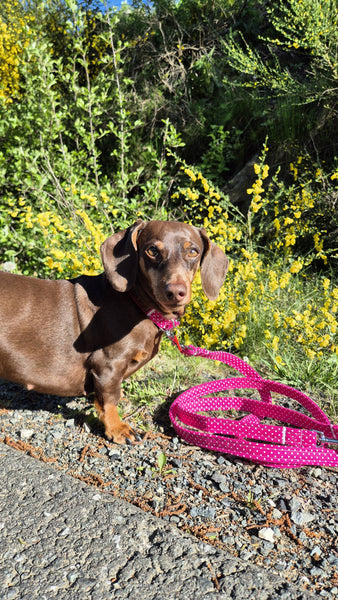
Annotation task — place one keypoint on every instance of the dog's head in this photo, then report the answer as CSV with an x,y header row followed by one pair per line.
x,y
159,259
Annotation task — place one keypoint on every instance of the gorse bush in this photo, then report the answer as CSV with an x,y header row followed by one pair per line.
x,y
14,36
271,306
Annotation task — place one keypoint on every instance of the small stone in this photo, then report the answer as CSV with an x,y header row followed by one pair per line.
x,y
316,572
302,537
281,504
218,478
174,519
57,434
257,490
276,514
113,455
228,539
70,423
72,577
224,488
26,434
266,534
316,552
294,504
65,532
266,548
302,517
245,555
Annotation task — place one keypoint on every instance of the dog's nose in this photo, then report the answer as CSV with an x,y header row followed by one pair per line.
x,y
176,292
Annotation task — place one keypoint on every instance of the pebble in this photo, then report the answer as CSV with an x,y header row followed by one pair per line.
x,y
26,434
302,517
277,514
294,504
266,534
316,552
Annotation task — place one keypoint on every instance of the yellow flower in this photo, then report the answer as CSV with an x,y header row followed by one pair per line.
x,y
279,360
265,172
296,266
290,239
275,342
59,254
245,253
277,225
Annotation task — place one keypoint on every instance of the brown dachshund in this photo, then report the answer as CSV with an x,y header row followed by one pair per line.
x,y
87,335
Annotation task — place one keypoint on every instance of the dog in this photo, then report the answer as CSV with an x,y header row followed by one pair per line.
x,y
86,335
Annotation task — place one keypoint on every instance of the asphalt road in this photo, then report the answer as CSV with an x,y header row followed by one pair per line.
x,y
63,539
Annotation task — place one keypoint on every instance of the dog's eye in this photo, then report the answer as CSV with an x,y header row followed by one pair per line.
x,y
153,252
192,253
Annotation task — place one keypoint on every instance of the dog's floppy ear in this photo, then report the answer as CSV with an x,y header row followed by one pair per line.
x,y
119,257
214,267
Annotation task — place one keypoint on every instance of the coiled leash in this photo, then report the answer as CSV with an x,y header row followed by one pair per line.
x,y
306,442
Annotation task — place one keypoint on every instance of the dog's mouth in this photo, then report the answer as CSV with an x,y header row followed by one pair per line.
x,y
175,311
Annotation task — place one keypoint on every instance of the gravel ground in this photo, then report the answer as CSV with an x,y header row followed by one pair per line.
x,y
283,520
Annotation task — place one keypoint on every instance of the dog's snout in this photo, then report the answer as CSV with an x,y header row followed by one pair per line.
x,y
176,292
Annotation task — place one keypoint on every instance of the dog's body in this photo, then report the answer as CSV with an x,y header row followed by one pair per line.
x,y
87,335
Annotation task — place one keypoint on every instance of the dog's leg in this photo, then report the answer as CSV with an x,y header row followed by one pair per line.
x,y
115,429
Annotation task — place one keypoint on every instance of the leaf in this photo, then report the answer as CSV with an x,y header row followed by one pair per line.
x,y
161,461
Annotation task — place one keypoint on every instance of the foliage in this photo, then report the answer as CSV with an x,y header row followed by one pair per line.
x,y
14,35
147,111
293,62
270,299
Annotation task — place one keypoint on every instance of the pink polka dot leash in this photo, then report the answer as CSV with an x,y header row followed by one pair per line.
x,y
306,442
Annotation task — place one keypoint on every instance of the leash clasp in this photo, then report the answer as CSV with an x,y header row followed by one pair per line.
x,y
171,334
323,439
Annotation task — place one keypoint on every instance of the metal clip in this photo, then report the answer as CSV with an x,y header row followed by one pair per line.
x,y
172,335
323,439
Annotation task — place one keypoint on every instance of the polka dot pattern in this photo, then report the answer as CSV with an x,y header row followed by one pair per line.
x,y
249,438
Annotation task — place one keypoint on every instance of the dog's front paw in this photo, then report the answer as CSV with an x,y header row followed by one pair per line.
x,y
121,434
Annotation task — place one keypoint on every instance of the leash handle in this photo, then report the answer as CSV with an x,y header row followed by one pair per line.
x,y
264,390
271,445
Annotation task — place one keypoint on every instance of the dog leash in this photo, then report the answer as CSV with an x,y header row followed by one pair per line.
x,y
306,442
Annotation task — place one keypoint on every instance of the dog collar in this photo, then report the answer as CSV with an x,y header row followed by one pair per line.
x,y
159,320
156,317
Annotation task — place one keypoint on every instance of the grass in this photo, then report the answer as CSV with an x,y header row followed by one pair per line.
x,y
151,390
